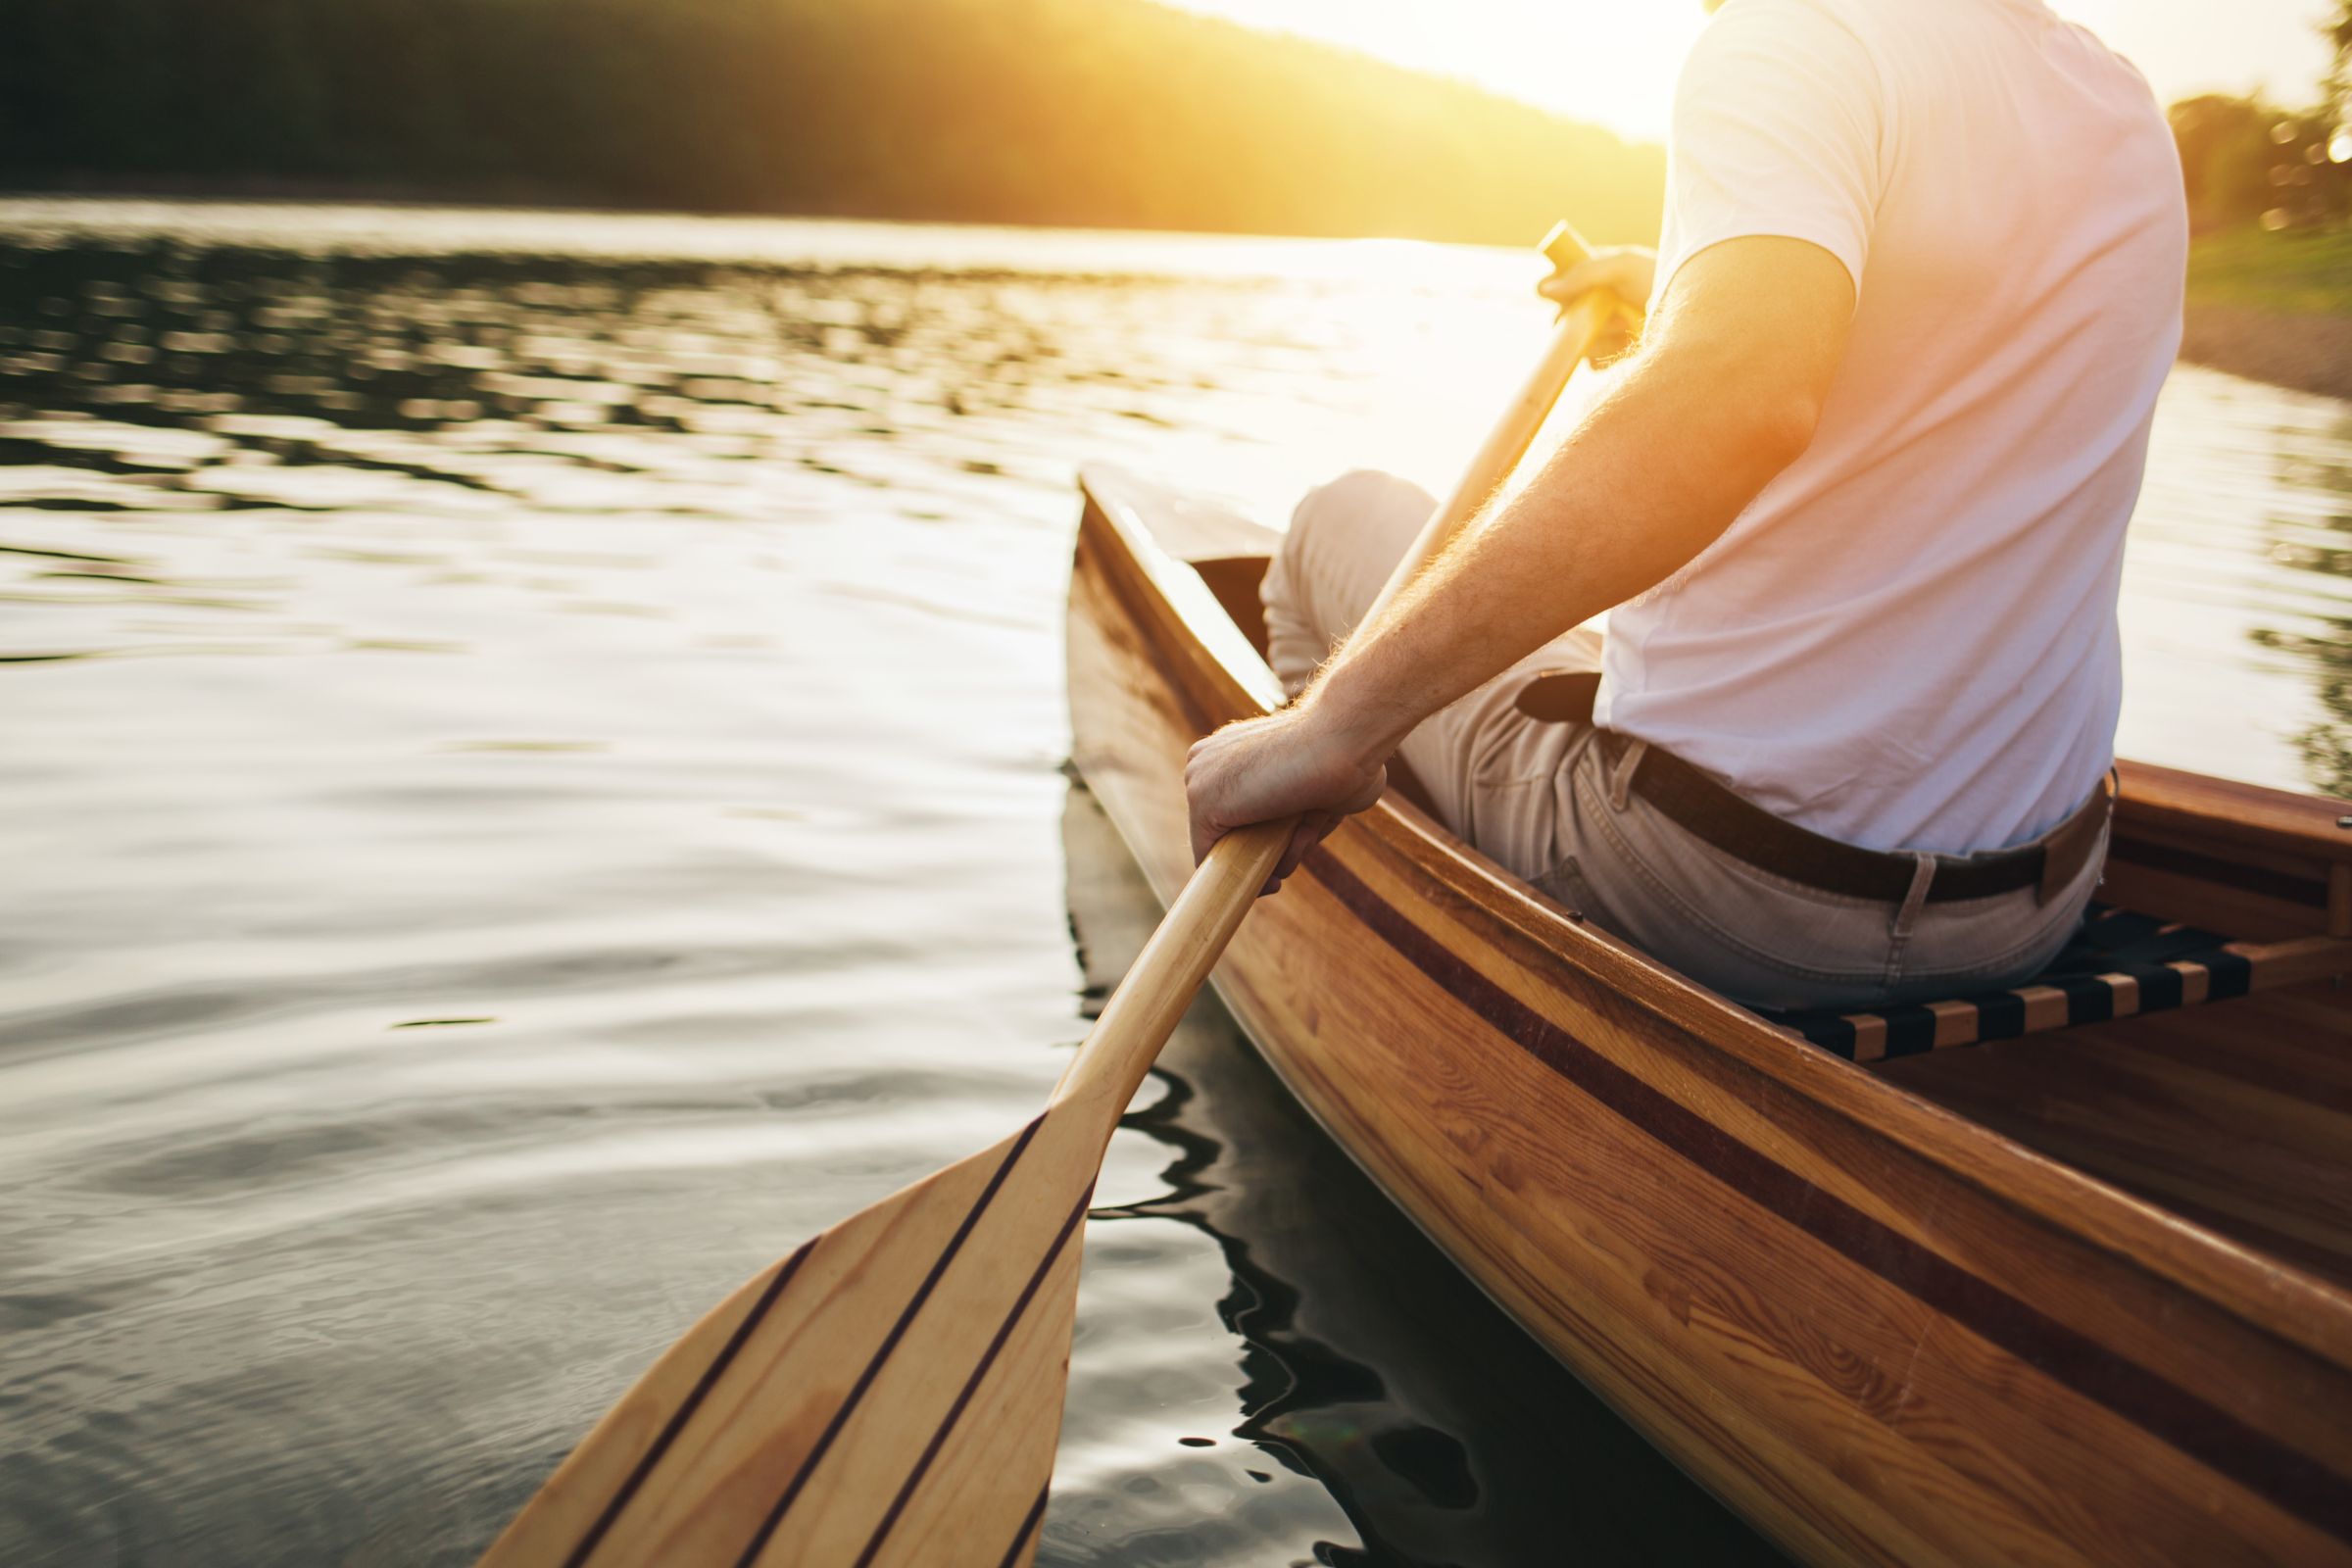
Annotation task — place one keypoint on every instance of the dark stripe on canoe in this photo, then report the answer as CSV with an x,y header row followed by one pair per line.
x,y
1020,1537
2279,885
890,1342
685,1411
971,1385
2289,1479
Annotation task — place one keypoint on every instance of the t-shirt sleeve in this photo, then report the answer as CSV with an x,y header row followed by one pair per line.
x,y
1777,119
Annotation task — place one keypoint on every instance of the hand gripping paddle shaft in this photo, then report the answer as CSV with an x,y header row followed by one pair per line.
x,y
890,1394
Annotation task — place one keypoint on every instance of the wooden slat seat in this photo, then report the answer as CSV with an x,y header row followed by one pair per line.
x,y
2273,865
2119,963
2069,1301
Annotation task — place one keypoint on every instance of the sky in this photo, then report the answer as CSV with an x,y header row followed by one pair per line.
x,y
1613,62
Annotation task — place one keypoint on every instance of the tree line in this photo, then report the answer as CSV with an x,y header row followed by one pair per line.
x,y
1106,113
1100,113
2248,160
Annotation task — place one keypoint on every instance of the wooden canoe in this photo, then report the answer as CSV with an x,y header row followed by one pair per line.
x,y
2078,1296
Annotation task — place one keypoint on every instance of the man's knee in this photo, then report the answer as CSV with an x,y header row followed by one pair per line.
x,y
1359,498
1361,520
1344,536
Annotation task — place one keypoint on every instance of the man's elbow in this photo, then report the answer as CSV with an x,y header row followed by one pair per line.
x,y
1753,408
1771,430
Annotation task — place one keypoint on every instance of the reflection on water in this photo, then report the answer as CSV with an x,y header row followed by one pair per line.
x,y
1431,1427
2237,586
532,783
2307,524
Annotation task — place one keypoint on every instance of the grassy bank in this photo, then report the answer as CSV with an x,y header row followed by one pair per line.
x,y
2275,307
2297,273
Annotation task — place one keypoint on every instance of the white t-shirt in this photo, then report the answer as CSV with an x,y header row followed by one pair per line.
x,y
1908,639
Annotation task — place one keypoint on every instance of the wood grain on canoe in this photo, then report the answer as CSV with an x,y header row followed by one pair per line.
x,y
1882,1330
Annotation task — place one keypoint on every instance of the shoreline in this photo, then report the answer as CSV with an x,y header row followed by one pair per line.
x,y
2302,352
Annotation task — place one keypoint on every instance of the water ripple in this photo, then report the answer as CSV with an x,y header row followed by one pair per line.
x,y
532,781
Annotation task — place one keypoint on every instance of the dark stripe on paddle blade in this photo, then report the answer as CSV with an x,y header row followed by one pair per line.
x,y
2288,1478
971,1385
1020,1537
685,1411
890,1342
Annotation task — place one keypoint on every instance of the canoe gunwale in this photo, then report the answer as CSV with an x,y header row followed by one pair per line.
x,y
1223,677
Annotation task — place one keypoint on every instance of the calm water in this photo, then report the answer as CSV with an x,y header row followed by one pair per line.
x,y
534,781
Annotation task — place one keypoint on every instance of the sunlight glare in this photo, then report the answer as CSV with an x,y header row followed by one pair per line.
x,y
1615,64
1612,64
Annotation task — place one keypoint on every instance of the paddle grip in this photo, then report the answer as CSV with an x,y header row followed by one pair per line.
x,y
1143,1011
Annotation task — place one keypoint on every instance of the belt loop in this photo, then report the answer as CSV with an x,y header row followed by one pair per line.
x,y
1621,776
2115,793
1922,876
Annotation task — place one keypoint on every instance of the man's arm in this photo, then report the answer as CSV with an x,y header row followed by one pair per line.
x,y
1723,394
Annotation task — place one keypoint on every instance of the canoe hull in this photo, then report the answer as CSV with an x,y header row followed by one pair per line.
x,y
1880,1333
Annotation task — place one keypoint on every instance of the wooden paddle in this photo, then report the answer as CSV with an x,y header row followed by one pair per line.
x,y
891,1394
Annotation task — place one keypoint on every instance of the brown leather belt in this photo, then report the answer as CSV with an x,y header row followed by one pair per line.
x,y
1739,827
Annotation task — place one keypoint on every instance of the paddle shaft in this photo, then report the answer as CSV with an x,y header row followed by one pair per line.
x,y
890,1394
1580,323
1143,1010
1159,985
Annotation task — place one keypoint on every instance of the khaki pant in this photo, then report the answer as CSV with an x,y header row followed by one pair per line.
x,y
1539,797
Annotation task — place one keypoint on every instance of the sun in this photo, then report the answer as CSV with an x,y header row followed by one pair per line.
x,y
1611,65
1614,64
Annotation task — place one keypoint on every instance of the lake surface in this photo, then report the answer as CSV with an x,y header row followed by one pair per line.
x,y
534,781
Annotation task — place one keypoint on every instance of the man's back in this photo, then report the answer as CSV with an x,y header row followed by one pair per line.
x,y
1908,639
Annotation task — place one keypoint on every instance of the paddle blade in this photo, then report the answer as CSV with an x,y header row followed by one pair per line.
x,y
888,1397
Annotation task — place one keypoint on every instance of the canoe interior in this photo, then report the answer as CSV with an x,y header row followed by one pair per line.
x,y
1968,1310
2235,1116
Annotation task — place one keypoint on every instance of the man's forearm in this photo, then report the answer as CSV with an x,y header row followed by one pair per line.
x,y
1743,352
1653,476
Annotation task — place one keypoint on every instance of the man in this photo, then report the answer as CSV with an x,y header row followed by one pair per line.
x,y
1859,499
